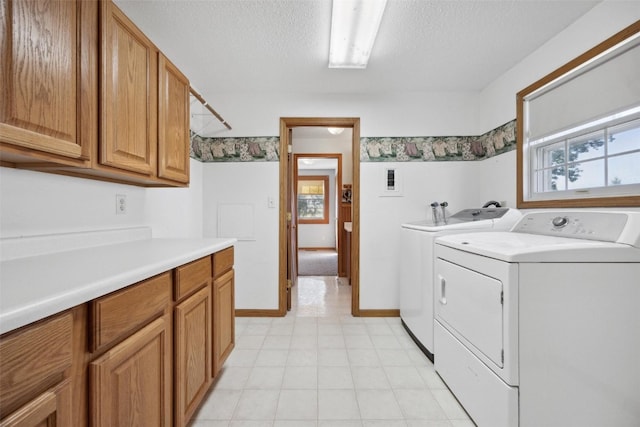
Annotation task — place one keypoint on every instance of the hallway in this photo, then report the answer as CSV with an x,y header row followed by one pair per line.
x,y
321,367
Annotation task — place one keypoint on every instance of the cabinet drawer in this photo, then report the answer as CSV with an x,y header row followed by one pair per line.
x,y
34,359
117,315
222,261
191,277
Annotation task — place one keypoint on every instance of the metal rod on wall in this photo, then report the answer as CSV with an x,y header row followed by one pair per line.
x,y
208,107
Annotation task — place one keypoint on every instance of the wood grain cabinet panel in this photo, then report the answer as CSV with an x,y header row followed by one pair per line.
x,y
117,315
129,77
130,385
192,368
223,319
191,277
34,359
50,409
40,65
344,259
223,261
173,122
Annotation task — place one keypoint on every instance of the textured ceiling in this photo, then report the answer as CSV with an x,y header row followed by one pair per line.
x,y
231,46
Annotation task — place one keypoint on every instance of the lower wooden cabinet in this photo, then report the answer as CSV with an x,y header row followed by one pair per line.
x,y
223,319
33,361
144,355
130,385
50,409
192,368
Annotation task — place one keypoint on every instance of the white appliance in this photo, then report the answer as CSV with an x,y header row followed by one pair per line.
x,y
416,264
540,326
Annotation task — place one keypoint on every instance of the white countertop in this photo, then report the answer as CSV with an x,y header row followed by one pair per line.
x,y
36,287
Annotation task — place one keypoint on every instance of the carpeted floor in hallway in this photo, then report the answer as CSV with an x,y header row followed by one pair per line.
x,y
317,263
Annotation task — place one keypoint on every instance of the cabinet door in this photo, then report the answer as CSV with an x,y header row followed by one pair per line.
x,y
223,319
129,77
192,366
173,123
130,385
51,409
39,76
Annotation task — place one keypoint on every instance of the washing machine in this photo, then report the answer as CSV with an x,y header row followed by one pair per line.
x,y
540,325
416,264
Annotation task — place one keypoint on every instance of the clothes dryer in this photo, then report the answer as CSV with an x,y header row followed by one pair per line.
x,y
539,326
416,264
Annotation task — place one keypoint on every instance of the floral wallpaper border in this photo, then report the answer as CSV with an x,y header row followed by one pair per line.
x,y
372,149
254,149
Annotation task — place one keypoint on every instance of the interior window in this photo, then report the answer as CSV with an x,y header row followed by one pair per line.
x,y
313,199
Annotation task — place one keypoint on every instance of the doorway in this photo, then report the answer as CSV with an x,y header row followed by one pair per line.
x,y
287,273
318,193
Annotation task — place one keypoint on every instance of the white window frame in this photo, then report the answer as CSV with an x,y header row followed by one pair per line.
x,y
534,163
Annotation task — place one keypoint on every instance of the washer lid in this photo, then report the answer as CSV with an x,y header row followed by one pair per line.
x,y
495,218
522,247
451,224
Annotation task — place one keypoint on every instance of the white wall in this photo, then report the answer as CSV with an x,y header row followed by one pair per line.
x,y
33,203
36,203
381,218
256,260
320,235
333,145
498,100
384,114
177,212
406,114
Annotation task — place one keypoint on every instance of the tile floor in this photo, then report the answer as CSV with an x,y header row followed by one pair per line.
x,y
320,367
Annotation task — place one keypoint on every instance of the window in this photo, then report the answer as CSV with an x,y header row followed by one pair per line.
x,y
313,199
588,160
579,130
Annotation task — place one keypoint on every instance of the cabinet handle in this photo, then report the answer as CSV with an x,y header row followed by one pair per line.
x,y
443,290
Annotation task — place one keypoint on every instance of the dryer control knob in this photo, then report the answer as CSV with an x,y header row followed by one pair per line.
x,y
560,221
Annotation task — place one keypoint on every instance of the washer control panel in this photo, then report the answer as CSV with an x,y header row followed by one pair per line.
x,y
604,226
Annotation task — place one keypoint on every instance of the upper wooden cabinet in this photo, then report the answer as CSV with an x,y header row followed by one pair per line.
x,y
129,95
86,93
173,122
41,69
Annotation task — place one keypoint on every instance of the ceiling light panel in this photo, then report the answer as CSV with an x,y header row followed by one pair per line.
x,y
354,26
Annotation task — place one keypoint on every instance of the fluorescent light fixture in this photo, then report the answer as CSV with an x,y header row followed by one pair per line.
x,y
354,26
335,131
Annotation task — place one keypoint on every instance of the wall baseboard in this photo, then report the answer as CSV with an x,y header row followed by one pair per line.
x,y
317,249
379,313
250,312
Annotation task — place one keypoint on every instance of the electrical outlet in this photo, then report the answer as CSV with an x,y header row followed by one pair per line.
x,y
121,204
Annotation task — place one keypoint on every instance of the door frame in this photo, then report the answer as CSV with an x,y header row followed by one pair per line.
x,y
337,184
287,123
